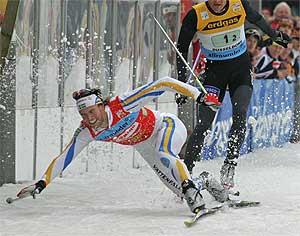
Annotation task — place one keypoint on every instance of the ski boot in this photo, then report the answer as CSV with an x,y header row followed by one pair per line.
x,y
227,173
192,196
206,181
214,188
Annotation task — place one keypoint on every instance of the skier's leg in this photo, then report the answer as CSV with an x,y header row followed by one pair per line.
x,y
164,160
240,100
214,82
196,139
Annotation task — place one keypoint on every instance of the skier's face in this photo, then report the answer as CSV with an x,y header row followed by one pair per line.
x,y
95,116
217,5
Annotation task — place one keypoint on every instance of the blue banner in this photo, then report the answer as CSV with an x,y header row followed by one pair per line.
x,y
269,119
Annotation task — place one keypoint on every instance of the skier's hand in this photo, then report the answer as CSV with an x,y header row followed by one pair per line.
x,y
210,99
282,39
180,99
32,190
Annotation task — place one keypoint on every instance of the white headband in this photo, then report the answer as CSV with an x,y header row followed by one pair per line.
x,y
87,101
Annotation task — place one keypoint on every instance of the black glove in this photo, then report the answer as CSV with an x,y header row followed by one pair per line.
x,y
40,185
33,189
282,39
180,99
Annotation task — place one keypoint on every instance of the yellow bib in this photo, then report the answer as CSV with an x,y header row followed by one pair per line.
x,y
222,36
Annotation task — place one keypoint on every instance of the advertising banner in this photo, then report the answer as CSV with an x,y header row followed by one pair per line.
x,y
269,121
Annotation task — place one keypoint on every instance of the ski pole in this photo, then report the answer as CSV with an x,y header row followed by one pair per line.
x,y
32,194
195,65
179,54
10,200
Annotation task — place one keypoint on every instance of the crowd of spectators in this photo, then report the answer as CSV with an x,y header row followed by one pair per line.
x,y
270,60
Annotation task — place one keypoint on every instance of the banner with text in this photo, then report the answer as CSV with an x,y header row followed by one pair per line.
x,y
269,121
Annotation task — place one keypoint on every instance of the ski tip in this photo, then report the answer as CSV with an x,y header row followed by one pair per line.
x,y
255,203
242,203
188,223
201,213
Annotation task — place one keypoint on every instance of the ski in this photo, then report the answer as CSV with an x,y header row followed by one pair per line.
x,y
200,214
241,203
236,204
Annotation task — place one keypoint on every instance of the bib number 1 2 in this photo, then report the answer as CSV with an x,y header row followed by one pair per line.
x,y
226,39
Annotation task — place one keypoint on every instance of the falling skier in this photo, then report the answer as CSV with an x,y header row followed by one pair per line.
x,y
158,137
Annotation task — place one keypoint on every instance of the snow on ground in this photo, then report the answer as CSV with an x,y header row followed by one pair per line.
x,y
134,202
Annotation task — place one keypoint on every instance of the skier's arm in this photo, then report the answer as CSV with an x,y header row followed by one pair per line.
x,y
143,95
79,141
187,32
